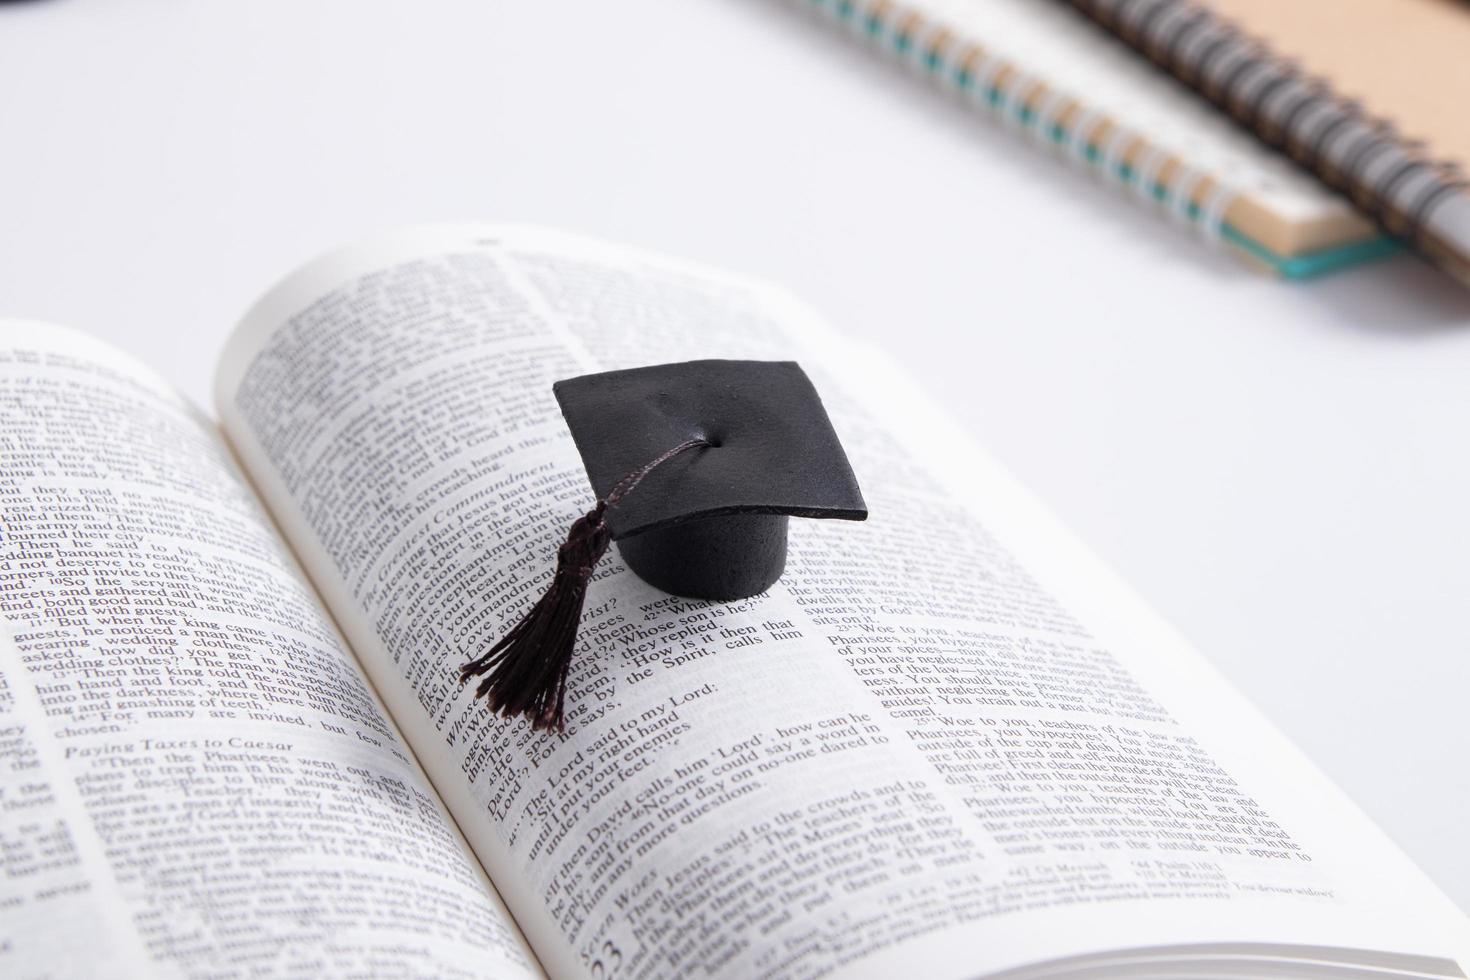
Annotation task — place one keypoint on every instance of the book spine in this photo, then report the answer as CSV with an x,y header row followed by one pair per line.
x,y
1053,118
1387,176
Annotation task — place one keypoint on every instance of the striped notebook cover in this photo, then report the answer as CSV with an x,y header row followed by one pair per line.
x,y
1043,69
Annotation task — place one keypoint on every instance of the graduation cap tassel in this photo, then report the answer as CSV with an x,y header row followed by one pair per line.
x,y
525,673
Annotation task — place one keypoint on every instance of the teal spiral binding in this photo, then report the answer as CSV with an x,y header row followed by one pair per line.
x,y
914,40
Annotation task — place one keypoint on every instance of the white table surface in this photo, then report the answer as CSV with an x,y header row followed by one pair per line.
x,y
1279,469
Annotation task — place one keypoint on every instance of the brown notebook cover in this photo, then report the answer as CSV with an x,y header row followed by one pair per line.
x,y
1407,61
1366,94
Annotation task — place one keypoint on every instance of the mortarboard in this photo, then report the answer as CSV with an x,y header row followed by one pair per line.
x,y
697,468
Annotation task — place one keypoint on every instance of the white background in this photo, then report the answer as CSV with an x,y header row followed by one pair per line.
x,y
1279,469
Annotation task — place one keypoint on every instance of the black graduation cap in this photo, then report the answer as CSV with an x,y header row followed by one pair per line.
x,y
697,468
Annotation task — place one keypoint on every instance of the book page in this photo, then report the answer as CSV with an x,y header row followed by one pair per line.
x,y
195,777
944,734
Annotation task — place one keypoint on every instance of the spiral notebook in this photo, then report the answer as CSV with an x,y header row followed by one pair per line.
x,y
1369,96
1405,60
1055,75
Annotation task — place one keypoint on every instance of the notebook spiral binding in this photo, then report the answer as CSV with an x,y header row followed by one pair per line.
x,y
988,81
1386,175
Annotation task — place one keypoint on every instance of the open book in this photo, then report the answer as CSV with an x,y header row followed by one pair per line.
x,y
234,743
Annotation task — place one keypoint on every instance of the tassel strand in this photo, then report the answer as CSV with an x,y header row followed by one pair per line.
x,y
525,673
